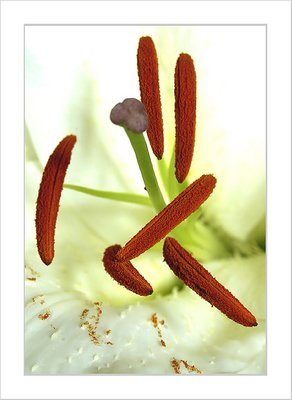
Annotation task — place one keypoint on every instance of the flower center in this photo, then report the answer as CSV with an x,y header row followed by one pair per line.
x,y
136,117
116,258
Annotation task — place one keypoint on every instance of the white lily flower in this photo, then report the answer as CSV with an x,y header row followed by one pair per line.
x,y
78,319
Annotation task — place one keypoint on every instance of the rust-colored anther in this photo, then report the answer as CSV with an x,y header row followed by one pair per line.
x,y
172,215
125,273
204,284
185,115
49,197
150,93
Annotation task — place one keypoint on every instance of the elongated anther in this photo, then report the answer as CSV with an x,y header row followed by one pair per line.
x,y
204,284
125,273
172,215
185,115
49,197
150,93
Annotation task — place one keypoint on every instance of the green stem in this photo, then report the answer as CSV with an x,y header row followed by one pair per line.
x,y
125,197
206,243
144,161
162,168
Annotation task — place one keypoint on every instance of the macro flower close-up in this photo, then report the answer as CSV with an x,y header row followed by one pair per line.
x,y
145,185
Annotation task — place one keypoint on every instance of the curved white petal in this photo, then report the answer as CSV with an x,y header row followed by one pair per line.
x,y
245,277
231,120
74,90
66,334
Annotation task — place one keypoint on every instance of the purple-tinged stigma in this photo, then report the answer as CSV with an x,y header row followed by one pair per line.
x,y
130,114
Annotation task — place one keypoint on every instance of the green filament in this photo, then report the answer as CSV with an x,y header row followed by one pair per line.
x,y
124,197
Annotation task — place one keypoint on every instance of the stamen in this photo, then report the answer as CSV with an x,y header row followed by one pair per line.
x,y
204,284
150,93
49,197
125,273
172,215
185,115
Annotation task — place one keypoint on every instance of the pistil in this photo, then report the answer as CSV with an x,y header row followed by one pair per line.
x,y
146,168
131,115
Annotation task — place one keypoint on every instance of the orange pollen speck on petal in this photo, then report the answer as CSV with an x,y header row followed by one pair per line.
x,y
185,115
147,63
194,275
49,197
125,273
44,316
156,323
190,368
172,215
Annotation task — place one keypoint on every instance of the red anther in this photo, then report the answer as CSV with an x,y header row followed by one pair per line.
x,y
194,275
185,115
125,273
49,197
150,93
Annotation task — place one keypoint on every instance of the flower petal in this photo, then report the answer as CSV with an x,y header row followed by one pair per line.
x,y
103,339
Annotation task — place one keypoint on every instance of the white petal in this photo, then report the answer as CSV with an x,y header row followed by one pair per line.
x,y
81,337
74,90
246,279
230,132
230,140
76,338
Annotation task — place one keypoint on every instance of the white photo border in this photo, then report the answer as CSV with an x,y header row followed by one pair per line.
x,y
276,15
